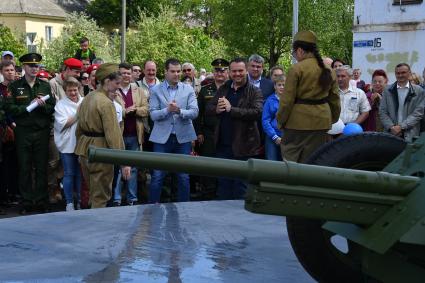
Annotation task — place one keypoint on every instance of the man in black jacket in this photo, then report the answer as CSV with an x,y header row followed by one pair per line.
x,y
238,105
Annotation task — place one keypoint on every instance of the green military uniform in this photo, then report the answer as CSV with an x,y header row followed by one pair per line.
x,y
205,124
306,111
32,134
98,126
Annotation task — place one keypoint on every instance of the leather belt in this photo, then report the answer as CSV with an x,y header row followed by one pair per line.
x,y
94,134
311,101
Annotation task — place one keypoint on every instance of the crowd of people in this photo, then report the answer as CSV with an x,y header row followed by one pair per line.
x,y
49,120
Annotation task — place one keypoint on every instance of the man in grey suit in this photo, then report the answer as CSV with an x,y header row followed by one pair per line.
x,y
173,106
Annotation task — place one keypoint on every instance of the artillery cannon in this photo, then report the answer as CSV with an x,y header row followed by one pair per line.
x,y
374,201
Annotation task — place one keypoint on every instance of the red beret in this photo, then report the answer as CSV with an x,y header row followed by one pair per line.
x,y
73,63
43,74
92,68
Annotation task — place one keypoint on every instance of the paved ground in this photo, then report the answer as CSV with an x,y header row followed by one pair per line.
x,y
174,242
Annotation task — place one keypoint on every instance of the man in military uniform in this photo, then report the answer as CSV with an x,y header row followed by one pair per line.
x,y
31,132
205,125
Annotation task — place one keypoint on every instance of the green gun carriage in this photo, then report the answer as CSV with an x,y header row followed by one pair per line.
x,y
366,189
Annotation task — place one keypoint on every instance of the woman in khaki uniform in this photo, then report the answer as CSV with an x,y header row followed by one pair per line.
x,y
98,126
310,102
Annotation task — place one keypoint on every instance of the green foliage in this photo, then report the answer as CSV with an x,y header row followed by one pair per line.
x,y
8,41
257,26
332,21
265,26
109,12
201,12
65,46
164,36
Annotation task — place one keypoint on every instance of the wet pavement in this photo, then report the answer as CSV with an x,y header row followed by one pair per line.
x,y
175,242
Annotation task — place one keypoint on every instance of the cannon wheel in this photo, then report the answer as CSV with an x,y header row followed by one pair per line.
x,y
312,245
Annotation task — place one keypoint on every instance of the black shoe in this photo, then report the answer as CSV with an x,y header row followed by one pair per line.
x,y
3,211
134,202
115,203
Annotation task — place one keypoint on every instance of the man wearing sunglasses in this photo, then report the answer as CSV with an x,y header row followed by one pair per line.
x,y
32,132
189,70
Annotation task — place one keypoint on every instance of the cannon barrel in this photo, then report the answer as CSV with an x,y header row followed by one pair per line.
x,y
380,214
256,171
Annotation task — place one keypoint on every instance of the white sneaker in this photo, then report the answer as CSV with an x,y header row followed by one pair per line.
x,y
70,207
78,206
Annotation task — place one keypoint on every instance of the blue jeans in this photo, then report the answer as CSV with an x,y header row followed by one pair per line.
x,y
71,176
157,179
131,143
272,150
229,188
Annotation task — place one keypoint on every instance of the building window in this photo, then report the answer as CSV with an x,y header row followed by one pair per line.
x,y
406,2
30,41
49,33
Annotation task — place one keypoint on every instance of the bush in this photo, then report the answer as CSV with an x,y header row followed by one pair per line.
x,y
164,36
79,25
8,41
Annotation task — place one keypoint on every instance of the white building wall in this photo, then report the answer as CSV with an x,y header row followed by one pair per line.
x,y
384,12
385,35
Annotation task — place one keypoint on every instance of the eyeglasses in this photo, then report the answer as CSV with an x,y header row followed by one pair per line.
x,y
187,70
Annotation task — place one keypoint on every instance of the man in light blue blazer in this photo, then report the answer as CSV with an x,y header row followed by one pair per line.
x,y
173,106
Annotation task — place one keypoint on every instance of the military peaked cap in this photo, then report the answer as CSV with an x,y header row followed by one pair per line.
x,y
30,58
220,64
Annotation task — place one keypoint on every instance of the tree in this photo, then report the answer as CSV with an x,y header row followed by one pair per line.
x,y
109,12
164,36
256,26
76,27
8,41
201,12
265,26
332,22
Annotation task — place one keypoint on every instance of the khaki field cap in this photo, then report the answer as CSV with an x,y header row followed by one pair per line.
x,y
306,36
105,70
